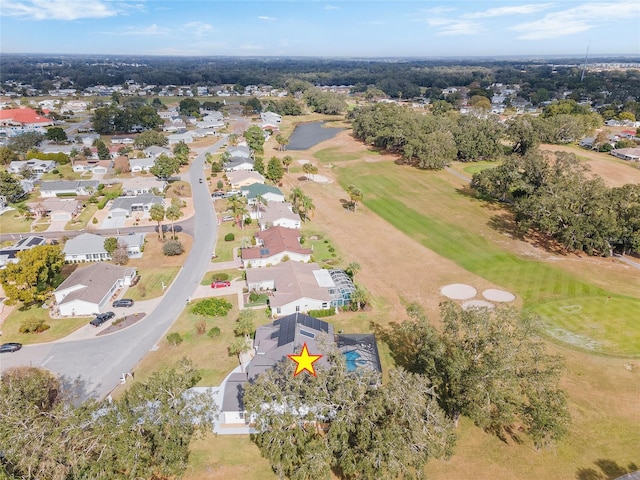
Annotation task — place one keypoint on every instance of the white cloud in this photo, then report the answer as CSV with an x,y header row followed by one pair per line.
x,y
331,7
268,19
199,29
150,30
59,9
459,27
512,10
579,19
251,47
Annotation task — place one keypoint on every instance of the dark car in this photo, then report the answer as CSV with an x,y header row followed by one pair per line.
x,y
10,347
123,302
200,180
101,318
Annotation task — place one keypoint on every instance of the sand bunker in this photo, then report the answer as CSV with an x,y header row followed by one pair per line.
x,y
458,291
498,295
477,304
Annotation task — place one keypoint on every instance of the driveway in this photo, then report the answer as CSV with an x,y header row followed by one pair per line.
x,y
113,222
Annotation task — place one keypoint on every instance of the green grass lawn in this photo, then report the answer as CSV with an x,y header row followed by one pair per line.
x,y
334,154
325,253
439,218
65,170
82,220
59,327
232,275
152,279
224,249
12,221
476,167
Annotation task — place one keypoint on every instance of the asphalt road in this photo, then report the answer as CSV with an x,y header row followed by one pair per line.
x,y
93,367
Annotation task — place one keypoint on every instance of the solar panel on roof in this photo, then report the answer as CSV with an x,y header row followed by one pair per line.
x,y
307,334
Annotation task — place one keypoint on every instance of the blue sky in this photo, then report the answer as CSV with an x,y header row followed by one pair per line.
x,y
320,28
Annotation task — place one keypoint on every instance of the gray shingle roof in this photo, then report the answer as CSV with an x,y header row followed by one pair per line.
x,y
97,279
65,185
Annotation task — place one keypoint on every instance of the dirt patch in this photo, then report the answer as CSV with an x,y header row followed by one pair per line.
x,y
614,173
127,322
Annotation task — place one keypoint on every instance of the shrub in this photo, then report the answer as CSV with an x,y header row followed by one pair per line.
x,y
322,313
214,332
253,297
94,221
247,221
142,289
174,339
93,199
33,325
172,248
212,307
55,171
220,277
102,203
229,237
201,327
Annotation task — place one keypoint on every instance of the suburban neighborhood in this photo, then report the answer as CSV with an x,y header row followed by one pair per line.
x,y
324,277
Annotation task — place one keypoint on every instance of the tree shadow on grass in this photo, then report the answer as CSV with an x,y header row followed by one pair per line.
x,y
506,224
606,470
401,347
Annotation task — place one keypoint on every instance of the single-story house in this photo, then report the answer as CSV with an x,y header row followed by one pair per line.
x,y
57,209
122,140
9,254
239,151
89,247
88,139
56,188
271,117
280,338
127,206
300,287
276,214
243,178
631,154
141,185
235,164
99,167
180,137
36,165
273,245
267,192
142,164
154,151
89,290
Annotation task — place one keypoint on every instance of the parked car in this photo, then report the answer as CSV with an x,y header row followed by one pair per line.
x,y
10,347
228,218
123,302
101,318
200,180
217,194
220,284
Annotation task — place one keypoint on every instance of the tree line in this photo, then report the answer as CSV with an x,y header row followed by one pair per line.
x,y
553,194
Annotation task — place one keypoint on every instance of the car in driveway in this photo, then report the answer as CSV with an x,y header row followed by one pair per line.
x,y
10,347
123,302
220,284
217,194
101,318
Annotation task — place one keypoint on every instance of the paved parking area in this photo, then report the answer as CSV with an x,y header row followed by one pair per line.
x,y
114,222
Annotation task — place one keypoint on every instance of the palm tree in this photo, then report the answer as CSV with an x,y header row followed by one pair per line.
x,y
238,207
245,326
352,269
307,206
157,215
295,197
286,161
260,200
356,195
282,141
173,213
238,347
307,168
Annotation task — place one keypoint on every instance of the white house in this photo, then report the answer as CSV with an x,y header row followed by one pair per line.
x,y
68,187
235,164
141,164
89,290
141,185
89,247
239,151
180,137
267,192
270,117
276,214
127,206
274,245
243,178
154,151
36,165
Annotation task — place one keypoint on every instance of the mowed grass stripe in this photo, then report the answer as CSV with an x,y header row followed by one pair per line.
x,y
443,225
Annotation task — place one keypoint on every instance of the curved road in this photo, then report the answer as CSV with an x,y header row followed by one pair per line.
x,y
93,367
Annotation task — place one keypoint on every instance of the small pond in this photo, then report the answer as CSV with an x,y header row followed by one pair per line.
x,y
306,135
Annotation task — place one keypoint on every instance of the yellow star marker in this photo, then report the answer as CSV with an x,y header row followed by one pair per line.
x,y
305,361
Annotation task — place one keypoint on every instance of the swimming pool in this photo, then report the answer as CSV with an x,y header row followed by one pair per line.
x,y
351,357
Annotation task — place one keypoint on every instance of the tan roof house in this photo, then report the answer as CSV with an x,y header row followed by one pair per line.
x,y
88,290
243,178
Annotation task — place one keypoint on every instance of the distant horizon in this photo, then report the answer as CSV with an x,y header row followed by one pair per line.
x,y
323,28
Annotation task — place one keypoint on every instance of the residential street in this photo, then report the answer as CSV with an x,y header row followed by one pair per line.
x,y
95,365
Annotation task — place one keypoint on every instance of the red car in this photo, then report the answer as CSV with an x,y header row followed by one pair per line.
x,y
220,284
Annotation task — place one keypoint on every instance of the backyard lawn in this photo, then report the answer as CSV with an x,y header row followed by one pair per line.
x,y
83,219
